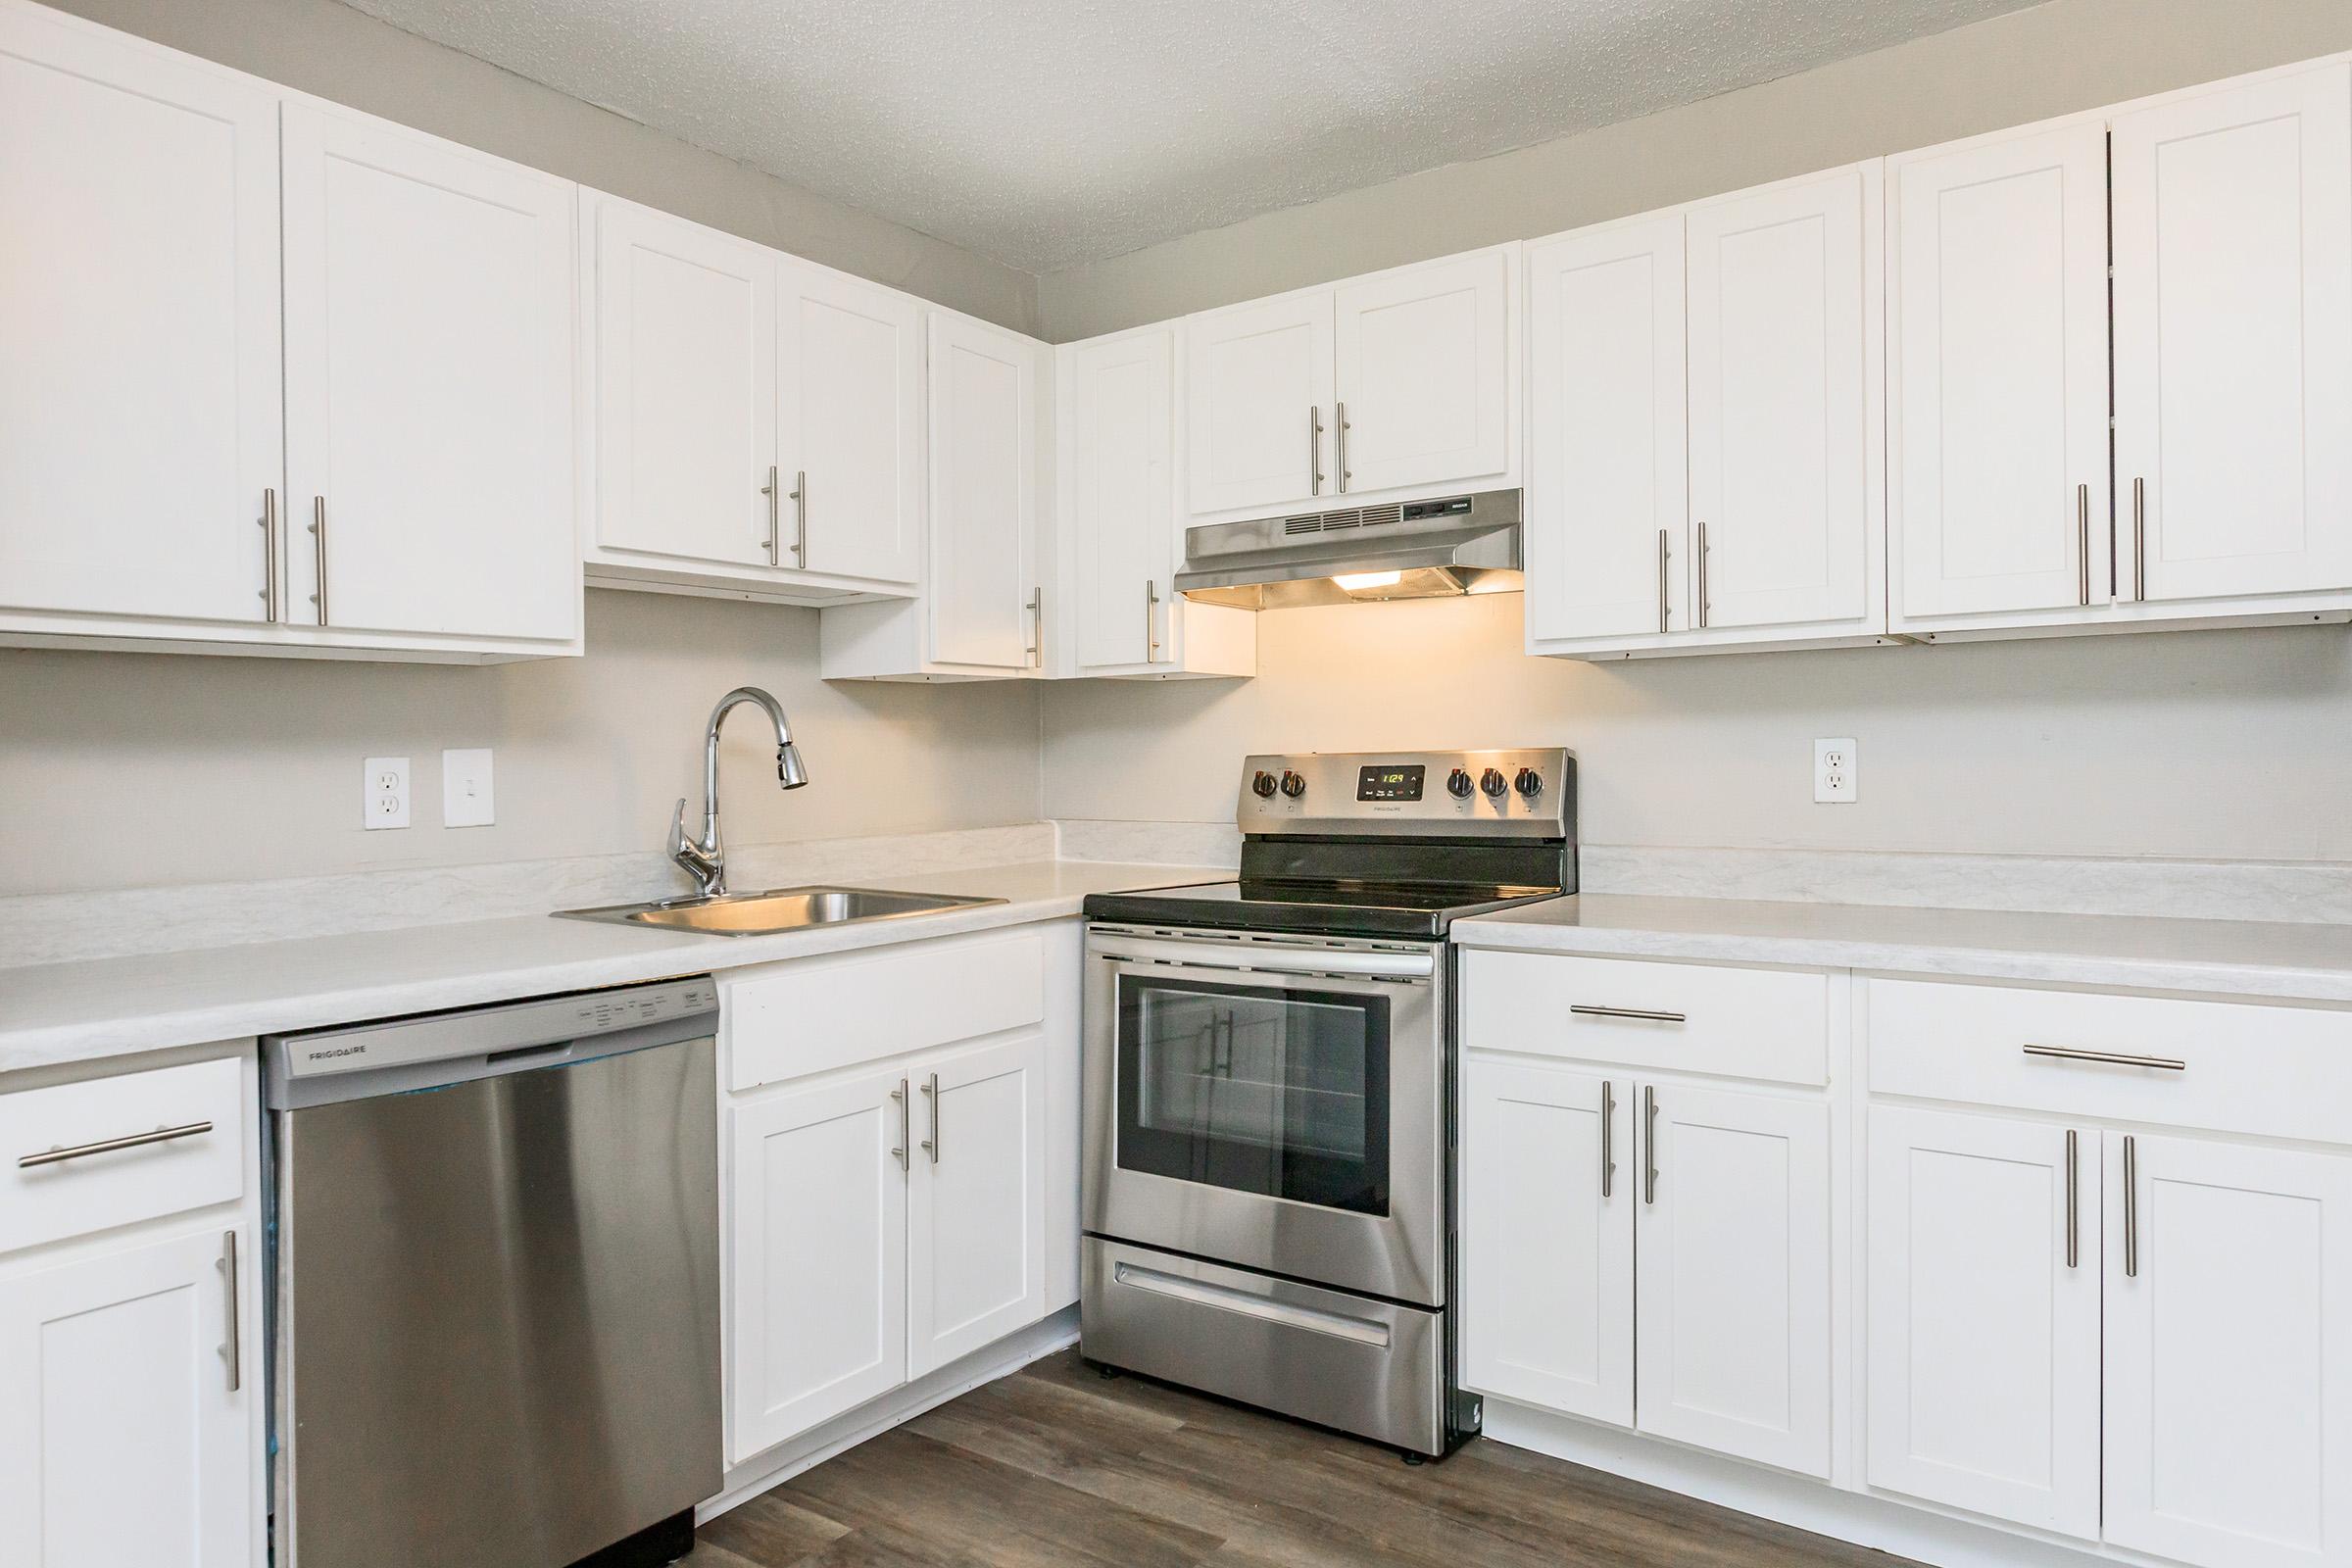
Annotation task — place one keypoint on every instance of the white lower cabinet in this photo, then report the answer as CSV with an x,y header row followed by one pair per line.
x,y
976,1260
1983,1362
126,1430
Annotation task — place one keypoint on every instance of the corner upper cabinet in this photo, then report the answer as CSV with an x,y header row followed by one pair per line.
x,y
849,426
1705,446
1381,387
983,612
1118,520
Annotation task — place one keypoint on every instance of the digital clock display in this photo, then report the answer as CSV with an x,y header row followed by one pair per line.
x,y
1386,782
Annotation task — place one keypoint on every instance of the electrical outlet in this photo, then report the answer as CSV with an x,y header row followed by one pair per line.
x,y
1834,771
465,798
384,796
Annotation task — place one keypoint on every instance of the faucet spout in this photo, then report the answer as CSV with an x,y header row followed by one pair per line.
x,y
706,860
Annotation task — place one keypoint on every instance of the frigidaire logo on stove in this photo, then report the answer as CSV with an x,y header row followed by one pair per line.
x,y
338,1051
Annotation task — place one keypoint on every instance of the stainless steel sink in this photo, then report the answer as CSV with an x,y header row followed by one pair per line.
x,y
752,914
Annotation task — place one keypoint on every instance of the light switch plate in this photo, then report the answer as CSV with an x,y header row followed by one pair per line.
x,y
465,794
1835,772
384,791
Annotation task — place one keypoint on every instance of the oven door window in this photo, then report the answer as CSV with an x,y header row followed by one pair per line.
x,y
1273,1091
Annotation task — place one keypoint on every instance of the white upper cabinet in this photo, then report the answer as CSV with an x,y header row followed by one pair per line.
x,y
429,385
1259,405
849,426
685,388
1385,385
1608,502
1425,373
140,406
1782,304
1997,401
2233,340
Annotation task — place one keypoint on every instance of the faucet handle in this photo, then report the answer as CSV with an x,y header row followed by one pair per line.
x,y
679,841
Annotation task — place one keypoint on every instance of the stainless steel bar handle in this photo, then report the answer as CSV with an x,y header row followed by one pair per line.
x,y
1315,450
270,593
1152,620
1338,440
931,1093
2073,1206
108,1145
1703,606
230,1349
799,516
1036,609
1608,1138
2113,1058
2130,1208
2139,539
1649,1146
1664,552
2082,543
318,532
900,1097
769,490
1647,1015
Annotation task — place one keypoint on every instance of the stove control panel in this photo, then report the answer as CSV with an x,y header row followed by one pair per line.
x,y
1512,794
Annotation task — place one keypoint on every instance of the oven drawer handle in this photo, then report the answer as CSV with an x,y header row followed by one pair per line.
x,y
1274,961
1363,1331
1647,1015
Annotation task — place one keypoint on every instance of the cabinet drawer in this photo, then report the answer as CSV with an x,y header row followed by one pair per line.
x,y
2274,1071
815,1014
1770,1024
200,1161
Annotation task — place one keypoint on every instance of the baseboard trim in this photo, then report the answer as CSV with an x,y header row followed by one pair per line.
x,y
1863,1519
779,1465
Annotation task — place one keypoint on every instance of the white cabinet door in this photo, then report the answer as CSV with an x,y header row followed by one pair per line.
x,y
1780,404
140,413
685,387
1998,344
817,1319
2233,340
1983,1367
975,1233
1609,491
983,399
849,426
1119,419
1731,1247
122,1441
1547,1237
1257,403
2228,1352
429,384
1424,376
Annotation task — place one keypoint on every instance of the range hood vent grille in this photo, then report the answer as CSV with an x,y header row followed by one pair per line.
x,y
1347,517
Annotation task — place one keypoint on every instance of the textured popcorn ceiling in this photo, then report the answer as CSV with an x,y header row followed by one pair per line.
x,y
1051,133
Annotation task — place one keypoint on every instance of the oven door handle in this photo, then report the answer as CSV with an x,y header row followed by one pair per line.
x,y
1270,959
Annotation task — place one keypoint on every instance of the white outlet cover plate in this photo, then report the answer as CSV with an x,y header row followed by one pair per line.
x,y
467,799
384,791
1836,776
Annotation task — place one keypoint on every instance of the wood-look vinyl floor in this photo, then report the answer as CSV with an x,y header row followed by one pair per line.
x,y
1057,1465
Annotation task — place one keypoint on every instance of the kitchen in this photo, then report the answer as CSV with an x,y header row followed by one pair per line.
x,y
1874,1114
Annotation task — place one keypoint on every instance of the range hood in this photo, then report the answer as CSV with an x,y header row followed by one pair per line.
x,y
1466,544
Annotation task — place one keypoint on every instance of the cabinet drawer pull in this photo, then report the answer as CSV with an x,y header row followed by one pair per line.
x,y
931,1093
1036,651
1152,620
1315,450
1583,1010
1665,551
108,1145
2082,543
2140,540
2073,1206
1649,1146
898,1097
799,516
2113,1058
230,1349
269,587
2130,1208
1339,437
769,490
318,551
1608,1138
1704,603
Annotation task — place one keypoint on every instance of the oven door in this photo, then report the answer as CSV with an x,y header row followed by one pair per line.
x,y
1271,1104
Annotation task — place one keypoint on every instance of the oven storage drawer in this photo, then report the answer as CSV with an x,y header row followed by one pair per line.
x,y
2223,1066
80,1157
1363,1365
1767,1024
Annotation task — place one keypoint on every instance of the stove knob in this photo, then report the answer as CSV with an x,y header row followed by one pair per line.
x,y
1292,784
1458,785
1494,783
1529,783
1262,786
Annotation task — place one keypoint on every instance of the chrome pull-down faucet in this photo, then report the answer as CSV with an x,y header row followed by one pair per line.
x,y
707,862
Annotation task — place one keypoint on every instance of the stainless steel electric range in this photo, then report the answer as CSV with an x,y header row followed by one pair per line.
x,y
1269,1087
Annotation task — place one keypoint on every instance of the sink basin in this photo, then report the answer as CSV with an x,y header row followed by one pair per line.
x,y
752,914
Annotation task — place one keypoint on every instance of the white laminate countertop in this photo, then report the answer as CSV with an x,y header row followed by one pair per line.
x,y
81,1012
2280,961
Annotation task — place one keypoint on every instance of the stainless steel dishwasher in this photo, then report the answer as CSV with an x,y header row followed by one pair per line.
x,y
495,1271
